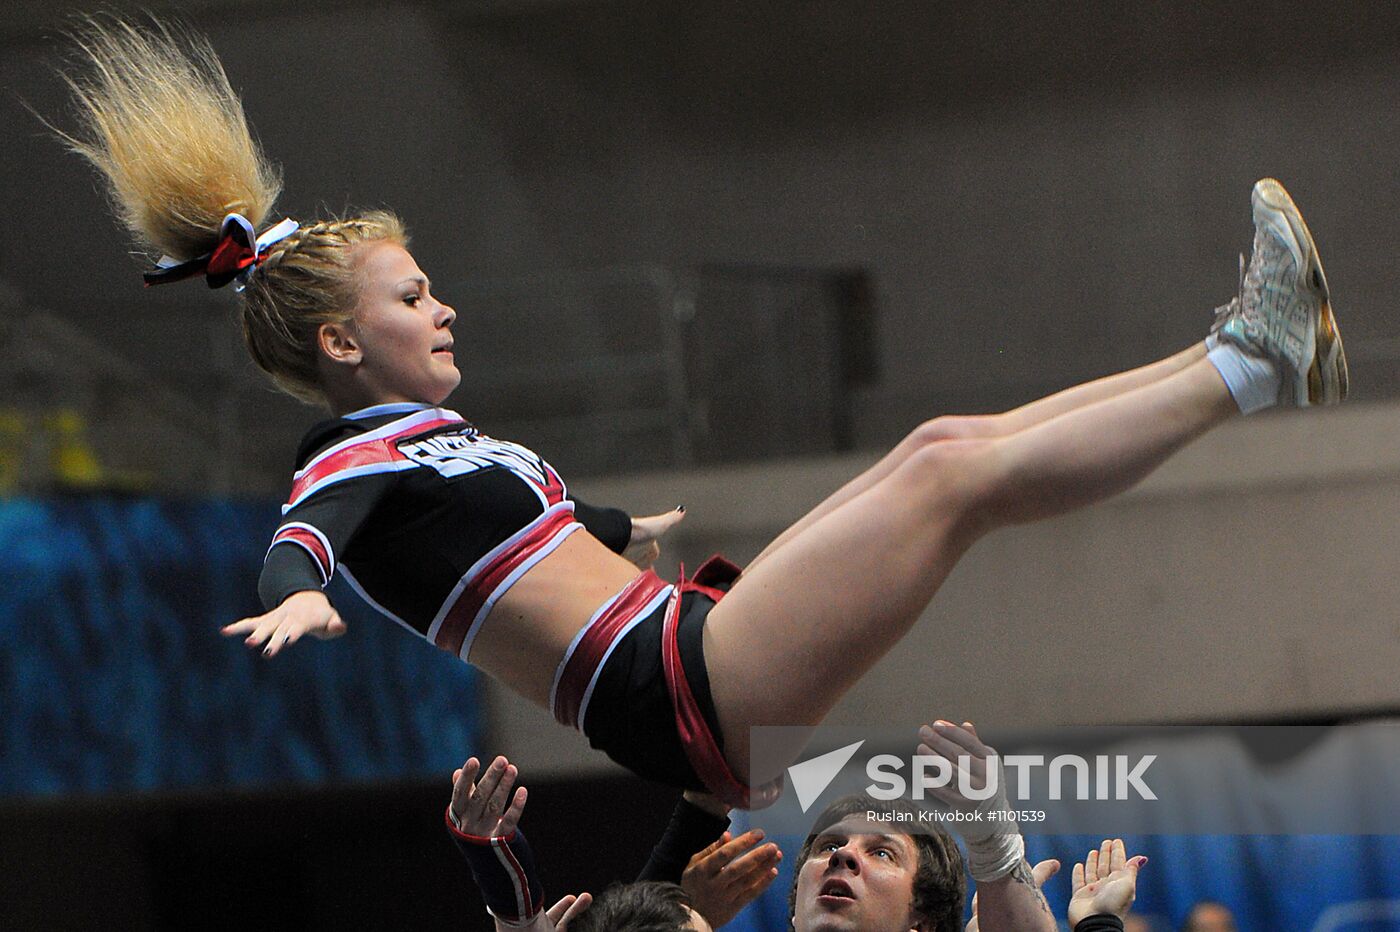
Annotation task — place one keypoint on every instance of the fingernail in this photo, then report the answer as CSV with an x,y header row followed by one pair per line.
x,y
925,731
680,508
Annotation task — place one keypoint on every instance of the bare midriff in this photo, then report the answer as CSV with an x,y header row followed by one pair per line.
x,y
524,638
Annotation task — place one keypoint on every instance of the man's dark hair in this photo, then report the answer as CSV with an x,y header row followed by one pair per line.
x,y
940,884
646,906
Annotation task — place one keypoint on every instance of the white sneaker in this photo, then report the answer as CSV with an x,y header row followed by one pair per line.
x,y
1284,312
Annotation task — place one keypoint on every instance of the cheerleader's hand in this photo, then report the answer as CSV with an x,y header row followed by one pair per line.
x,y
300,613
558,916
729,874
487,807
644,546
1106,883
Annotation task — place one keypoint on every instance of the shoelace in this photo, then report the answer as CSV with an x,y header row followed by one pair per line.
x,y
1227,310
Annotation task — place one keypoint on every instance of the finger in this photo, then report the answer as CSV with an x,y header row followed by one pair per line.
x,y
958,775
935,746
583,901
1076,878
670,519
278,639
496,804
486,784
1044,871
1091,866
948,796
1136,864
974,905
512,815
555,913
463,787
653,526
264,632
709,849
762,881
728,851
1118,856
333,628
752,864
1105,858
500,797
968,742
261,632
970,731
242,626
944,740
737,846
265,638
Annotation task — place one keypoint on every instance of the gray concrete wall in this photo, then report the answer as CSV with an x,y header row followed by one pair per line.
x,y
1040,193
1253,577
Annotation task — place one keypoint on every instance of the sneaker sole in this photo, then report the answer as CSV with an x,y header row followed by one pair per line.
x,y
1327,376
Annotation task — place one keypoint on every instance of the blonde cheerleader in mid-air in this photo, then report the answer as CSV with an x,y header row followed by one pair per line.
x,y
476,544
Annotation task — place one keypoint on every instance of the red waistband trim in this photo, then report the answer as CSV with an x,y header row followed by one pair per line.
x,y
588,652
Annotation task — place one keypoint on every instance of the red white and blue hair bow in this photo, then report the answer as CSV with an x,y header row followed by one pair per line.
x,y
239,251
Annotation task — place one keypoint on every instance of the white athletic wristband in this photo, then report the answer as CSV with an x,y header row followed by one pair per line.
x,y
995,856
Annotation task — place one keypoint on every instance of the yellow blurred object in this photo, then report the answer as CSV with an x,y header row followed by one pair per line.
x,y
14,442
72,458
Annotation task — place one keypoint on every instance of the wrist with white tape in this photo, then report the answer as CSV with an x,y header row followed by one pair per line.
x,y
992,857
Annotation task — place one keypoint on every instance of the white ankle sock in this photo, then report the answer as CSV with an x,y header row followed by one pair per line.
x,y
1253,381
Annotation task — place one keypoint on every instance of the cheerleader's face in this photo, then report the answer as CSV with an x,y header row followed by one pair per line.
x,y
401,334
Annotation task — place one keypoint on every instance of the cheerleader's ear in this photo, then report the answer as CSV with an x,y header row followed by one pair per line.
x,y
339,343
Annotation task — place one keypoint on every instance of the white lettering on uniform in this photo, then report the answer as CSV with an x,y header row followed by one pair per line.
x,y
459,454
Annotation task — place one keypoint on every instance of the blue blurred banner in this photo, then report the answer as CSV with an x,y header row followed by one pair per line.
x,y
1289,883
113,675
1272,883
1273,875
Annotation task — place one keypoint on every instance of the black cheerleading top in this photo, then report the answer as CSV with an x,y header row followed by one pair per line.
x,y
428,520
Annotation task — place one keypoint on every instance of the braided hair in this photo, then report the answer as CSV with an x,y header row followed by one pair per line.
x,y
158,119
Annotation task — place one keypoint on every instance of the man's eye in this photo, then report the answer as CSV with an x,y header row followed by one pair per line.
x,y
411,300
884,853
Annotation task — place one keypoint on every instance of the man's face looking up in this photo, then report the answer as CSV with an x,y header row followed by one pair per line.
x,y
857,877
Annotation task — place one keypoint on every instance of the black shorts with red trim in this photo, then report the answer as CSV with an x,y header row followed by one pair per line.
x,y
630,714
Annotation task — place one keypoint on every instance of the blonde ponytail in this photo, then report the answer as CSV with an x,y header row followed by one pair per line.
x,y
158,118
